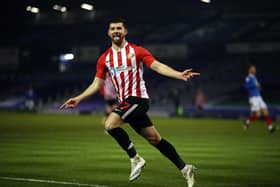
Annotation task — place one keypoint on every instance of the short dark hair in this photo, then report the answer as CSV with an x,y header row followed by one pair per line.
x,y
251,65
117,20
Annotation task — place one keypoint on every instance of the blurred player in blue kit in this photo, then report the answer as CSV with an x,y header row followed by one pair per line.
x,y
258,106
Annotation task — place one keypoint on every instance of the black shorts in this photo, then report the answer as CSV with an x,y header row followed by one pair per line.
x,y
133,110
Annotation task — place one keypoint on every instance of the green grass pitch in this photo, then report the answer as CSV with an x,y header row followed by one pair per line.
x,y
74,148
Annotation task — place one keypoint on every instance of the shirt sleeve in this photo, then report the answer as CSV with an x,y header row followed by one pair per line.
x,y
101,68
145,56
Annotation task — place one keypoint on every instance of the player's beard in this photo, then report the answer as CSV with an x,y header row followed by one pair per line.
x,y
117,39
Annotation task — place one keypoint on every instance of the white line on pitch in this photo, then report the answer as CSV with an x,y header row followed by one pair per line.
x,y
51,181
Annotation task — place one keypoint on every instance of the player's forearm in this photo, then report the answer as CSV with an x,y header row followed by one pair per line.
x,y
91,89
165,70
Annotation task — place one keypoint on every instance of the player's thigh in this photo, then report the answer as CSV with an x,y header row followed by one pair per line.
x,y
151,134
113,121
108,109
262,104
254,104
140,121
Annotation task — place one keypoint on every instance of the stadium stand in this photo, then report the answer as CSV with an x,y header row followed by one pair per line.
x,y
209,36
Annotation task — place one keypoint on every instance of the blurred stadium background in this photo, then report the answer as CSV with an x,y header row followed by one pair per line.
x,y
218,39
48,52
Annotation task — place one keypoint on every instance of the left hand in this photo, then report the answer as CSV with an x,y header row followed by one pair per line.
x,y
70,103
188,73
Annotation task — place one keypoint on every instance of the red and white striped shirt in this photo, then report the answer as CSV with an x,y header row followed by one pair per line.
x,y
126,69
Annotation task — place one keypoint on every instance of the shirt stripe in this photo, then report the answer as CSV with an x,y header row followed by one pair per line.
x,y
112,72
134,71
117,76
125,73
138,80
130,72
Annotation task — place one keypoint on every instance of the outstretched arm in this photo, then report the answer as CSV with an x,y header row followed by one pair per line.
x,y
92,89
170,72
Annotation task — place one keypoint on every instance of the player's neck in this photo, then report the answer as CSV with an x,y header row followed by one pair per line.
x,y
119,47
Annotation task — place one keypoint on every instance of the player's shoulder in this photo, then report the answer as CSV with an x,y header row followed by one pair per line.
x,y
102,57
106,52
248,78
139,50
132,44
136,46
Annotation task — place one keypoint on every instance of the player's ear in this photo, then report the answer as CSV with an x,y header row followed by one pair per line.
x,y
108,32
125,31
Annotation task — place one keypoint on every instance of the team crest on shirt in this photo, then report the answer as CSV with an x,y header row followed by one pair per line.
x,y
113,71
130,55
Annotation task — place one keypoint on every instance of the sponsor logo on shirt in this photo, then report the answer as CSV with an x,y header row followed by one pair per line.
x,y
119,69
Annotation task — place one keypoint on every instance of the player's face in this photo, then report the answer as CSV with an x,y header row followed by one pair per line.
x,y
117,33
253,70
